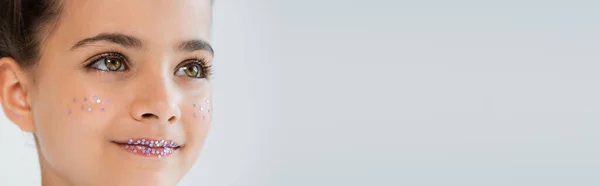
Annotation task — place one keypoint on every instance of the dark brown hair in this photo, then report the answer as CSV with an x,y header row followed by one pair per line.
x,y
24,24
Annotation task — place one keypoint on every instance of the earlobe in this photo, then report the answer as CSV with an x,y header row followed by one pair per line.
x,y
13,94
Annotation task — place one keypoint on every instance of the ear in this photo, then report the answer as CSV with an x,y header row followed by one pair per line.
x,y
13,94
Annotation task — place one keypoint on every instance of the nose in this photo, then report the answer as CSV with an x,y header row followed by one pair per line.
x,y
155,101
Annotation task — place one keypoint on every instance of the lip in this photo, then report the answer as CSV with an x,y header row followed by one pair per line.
x,y
149,147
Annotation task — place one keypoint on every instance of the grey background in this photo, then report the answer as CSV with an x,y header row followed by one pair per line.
x,y
353,93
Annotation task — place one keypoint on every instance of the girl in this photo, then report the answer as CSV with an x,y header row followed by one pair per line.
x,y
115,92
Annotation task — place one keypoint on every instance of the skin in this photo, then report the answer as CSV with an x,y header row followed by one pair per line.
x,y
149,99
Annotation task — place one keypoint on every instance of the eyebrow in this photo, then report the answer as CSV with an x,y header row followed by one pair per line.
x,y
194,45
134,42
120,39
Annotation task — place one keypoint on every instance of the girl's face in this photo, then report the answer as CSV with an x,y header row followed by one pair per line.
x,y
112,73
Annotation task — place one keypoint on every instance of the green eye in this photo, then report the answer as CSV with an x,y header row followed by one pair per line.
x,y
113,64
193,70
109,62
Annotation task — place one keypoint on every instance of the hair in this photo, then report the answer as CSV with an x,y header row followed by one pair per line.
x,y
24,24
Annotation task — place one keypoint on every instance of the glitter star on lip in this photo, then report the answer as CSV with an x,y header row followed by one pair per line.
x,y
149,147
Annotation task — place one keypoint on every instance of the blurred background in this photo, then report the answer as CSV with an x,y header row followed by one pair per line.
x,y
390,93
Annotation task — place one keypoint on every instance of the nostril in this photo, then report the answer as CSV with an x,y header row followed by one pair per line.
x,y
172,119
147,115
152,116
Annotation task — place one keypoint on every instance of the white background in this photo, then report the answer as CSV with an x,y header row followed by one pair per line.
x,y
378,93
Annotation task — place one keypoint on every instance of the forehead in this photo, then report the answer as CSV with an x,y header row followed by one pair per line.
x,y
158,22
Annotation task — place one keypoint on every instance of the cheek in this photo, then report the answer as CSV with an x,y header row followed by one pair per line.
x,y
62,117
201,111
197,118
88,116
70,128
89,107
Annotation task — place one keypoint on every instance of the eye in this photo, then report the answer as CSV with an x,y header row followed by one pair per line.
x,y
109,62
192,69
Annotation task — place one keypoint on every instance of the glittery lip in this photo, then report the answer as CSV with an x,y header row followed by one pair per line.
x,y
149,147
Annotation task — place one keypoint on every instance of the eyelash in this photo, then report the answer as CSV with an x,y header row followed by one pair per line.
x,y
97,58
205,69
